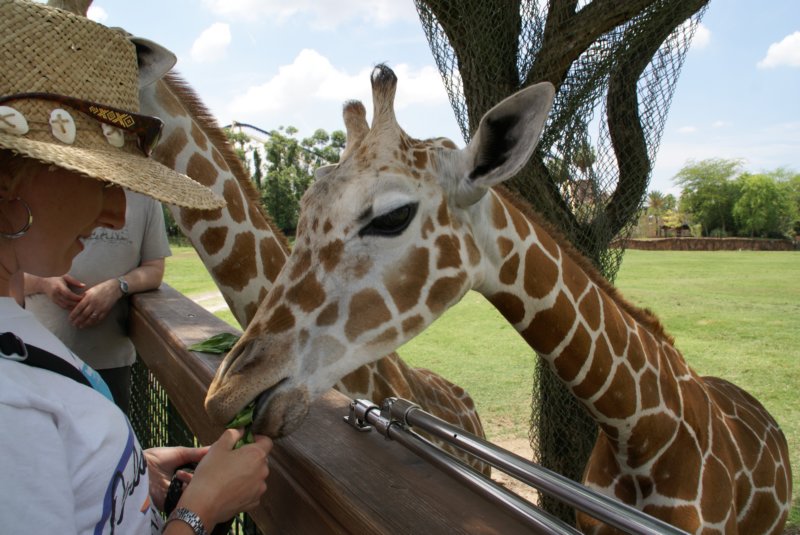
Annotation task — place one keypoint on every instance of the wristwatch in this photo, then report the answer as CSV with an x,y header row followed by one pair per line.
x,y
185,515
123,286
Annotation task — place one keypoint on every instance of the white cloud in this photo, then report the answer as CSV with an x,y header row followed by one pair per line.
x,y
312,79
324,15
721,124
783,54
702,37
212,44
97,14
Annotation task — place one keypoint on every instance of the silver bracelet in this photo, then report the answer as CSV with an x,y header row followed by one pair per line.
x,y
185,515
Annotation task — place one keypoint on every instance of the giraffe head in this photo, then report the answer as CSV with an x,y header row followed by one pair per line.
x,y
384,246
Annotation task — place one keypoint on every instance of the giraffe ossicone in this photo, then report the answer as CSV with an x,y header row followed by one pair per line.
x,y
401,229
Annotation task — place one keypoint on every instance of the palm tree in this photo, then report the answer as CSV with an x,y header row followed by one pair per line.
x,y
656,202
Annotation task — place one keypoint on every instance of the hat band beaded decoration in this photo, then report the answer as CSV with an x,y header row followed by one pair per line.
x,y
29,221
147,129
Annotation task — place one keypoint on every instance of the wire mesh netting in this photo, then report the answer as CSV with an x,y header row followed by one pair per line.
x,y
614,66
157,423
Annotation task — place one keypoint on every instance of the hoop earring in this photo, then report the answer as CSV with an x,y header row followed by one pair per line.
x,y
21,232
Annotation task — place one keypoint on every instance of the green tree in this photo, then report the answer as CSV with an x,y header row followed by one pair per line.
x,y
709,193
289,166
764,207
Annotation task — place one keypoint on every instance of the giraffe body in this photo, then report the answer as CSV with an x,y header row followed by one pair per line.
x,y
244,252
401,229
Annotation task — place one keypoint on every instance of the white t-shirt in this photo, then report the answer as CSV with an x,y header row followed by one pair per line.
x,y
69,461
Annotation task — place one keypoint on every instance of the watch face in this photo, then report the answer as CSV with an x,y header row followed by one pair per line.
x,y
123,285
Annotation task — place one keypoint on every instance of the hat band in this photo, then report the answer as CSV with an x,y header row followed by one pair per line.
x,y
146,128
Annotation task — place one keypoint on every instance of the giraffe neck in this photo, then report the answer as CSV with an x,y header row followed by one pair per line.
x,y
238,244
611,355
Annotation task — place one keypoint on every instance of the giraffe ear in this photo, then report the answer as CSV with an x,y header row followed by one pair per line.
x,y
154,60
503,142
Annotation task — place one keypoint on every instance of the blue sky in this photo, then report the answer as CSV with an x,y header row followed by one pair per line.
x,y
278,62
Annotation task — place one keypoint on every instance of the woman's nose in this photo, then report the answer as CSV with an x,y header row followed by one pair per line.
x,y
113,214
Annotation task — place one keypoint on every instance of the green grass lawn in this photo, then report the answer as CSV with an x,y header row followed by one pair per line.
x,y
735,315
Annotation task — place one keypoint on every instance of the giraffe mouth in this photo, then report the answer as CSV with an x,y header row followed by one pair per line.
x,y
280,409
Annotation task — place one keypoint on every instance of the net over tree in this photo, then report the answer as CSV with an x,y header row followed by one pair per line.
x,y
614,64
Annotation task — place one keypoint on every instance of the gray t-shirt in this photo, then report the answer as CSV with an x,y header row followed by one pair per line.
x,y
108,254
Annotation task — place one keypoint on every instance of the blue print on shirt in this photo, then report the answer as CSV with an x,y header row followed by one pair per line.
x,y
120,488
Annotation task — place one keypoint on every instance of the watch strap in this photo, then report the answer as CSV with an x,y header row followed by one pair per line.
x,y
123,285
189,517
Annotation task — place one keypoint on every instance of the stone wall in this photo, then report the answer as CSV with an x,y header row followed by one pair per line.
x,y
710,244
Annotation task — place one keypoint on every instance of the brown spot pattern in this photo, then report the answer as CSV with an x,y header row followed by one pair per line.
x,y
571,359
505,246
331,254
308,293
427,228
272,258
550,326
443,215
509,270
233,196
201,170
420,159
367,311
413,325
599,369
677,470
541,273
167,150
239,267
329,315
301,265
406,281
219,159
619,399
168,101
499,220
213,239
200,139
280,320
448,247
473,253
444,291
510,306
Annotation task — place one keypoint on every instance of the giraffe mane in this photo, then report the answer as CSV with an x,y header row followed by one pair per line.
x,y
208,124
643,316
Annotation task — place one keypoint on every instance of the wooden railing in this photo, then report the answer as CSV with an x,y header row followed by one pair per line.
x,y
326,477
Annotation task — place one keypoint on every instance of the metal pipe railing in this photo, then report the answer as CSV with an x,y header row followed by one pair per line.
x,y
395,417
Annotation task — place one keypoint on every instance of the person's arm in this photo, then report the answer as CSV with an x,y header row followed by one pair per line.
x,y
99,299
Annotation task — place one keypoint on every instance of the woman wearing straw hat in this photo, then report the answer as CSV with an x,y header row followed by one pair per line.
x,y
70,140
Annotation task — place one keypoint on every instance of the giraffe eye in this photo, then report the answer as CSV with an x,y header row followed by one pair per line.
x,y
392,223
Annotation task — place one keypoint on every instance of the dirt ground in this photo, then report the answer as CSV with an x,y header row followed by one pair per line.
x,y
521,447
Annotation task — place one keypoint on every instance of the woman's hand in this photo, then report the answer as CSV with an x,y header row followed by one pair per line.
x,y
227,481
96,303
162,464
61,290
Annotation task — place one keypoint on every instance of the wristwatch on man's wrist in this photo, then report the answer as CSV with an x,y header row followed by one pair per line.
x,y
189,517
123,285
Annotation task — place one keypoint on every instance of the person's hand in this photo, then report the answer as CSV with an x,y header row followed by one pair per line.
x,y
95,305
163,462
62,290
228,481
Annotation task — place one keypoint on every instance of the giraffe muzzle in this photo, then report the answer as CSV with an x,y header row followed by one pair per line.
x,y
280,409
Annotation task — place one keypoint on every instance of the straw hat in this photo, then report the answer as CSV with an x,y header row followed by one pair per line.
x,y
69,96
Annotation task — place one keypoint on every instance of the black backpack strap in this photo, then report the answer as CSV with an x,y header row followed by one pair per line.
x,y
10,344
